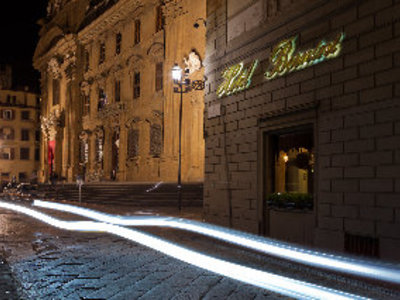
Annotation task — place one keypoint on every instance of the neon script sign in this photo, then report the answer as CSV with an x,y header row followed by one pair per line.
x,y
283,59
237,78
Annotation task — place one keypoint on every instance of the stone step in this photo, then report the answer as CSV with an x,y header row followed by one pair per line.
x,y
128,194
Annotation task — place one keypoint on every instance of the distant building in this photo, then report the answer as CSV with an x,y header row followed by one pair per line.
x,y
109,110
302,122
19,136
5,76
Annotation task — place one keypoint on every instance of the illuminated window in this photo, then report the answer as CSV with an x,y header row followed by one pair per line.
x,y
136,85
137,31
84,151
159,76
291,167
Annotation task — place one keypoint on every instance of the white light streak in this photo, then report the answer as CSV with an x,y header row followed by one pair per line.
x,y
331,262
276,283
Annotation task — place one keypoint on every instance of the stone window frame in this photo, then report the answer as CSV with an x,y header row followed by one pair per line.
x,y
7,155
8,114
270,124
10,136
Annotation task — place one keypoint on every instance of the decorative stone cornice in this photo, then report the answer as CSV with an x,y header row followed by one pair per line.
x,y
54,7
122,10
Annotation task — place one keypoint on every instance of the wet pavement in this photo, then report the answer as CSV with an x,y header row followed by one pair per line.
x,y
47,263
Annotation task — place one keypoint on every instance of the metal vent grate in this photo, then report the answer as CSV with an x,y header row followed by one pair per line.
x,y
361,245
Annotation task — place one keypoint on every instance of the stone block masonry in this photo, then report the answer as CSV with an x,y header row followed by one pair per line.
x,y
351,102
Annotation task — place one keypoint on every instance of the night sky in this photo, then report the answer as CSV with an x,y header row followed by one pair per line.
x,y
19,36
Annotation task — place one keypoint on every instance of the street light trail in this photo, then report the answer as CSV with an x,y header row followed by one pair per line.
x,y
272,282
331,262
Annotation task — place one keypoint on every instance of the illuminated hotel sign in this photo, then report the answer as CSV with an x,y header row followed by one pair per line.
x,y
283,59
237,78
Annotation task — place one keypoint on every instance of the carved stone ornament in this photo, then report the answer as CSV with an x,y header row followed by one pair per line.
x,y
173,8
50,124
156,143
54,67
54,6
157,114
69,66
84,135
192,62
85,88
111,112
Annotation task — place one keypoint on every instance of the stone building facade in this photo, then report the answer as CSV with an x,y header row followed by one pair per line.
x,y
110,111
19,136
302,121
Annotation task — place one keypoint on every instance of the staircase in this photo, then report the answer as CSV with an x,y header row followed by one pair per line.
x,y
128,194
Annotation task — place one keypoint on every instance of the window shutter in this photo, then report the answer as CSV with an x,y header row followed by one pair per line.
x,y
1,114
12,152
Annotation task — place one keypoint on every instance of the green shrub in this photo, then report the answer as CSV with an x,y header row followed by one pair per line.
x,y
297,200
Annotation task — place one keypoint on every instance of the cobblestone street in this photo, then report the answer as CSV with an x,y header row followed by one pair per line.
x,y
54,264
48,263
